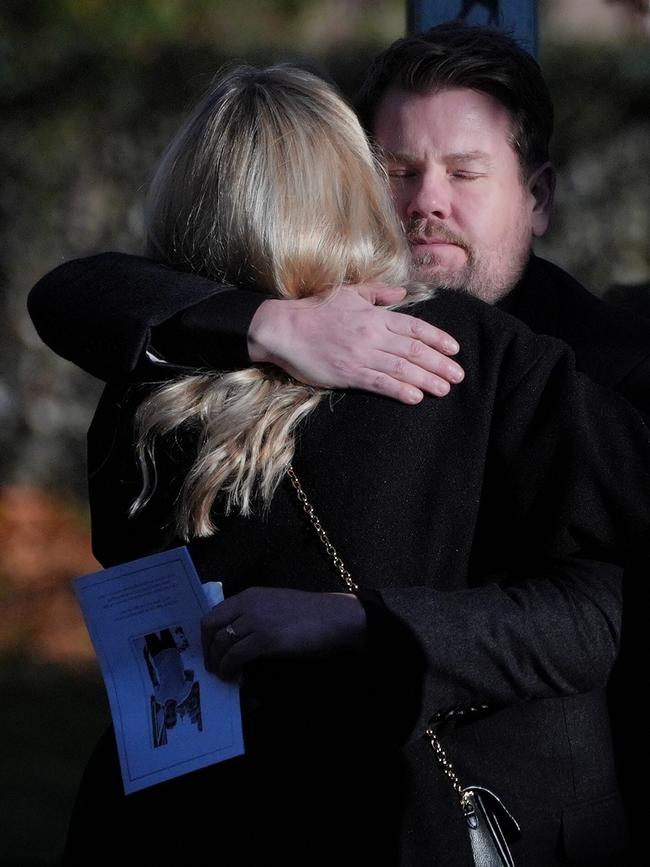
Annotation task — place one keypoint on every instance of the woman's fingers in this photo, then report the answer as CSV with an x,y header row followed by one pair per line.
x,y
216,622
217,643
237,655
279,622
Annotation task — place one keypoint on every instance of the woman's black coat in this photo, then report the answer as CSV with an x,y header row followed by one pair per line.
x,y
473,524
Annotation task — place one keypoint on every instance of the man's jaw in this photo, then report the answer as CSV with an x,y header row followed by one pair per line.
x,y
437,251
446,264
420,233
429,269
446,260
433,249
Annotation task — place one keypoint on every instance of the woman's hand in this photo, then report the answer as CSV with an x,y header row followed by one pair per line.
x,y
275,622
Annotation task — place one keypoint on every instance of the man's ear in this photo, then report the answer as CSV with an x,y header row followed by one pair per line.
x,y
541,186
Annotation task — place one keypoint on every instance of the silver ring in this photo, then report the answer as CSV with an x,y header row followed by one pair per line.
x,y
230,632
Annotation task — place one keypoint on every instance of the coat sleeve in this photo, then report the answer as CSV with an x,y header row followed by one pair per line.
x,y
573,459
109,313
487,647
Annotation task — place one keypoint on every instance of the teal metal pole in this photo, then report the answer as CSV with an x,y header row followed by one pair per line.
x,y
518,18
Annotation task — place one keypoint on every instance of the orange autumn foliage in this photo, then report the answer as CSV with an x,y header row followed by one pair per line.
x,y
44,543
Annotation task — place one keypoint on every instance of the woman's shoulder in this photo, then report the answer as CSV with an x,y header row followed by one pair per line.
x,y
493,344
471,313
475,323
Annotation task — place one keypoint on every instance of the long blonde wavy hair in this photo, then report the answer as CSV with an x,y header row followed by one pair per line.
x,y
270,185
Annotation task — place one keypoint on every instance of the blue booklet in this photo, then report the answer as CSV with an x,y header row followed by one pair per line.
x,y
170,715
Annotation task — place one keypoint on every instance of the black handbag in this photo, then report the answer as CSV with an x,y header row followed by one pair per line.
x,y
489,824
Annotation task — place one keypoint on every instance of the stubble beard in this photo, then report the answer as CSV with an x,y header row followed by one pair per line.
x,y
487,274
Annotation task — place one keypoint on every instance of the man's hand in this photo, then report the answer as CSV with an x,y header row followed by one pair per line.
x,y
264,622
348,340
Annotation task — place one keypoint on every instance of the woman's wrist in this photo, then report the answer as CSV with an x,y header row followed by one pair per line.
x,y
350,619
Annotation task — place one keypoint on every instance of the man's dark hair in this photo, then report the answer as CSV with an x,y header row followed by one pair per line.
x,y
479,58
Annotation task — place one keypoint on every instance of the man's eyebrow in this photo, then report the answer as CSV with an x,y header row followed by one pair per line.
x,y
469,156
460,157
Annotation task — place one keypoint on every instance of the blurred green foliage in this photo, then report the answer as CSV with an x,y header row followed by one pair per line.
x,y
41,39
600,230
597,90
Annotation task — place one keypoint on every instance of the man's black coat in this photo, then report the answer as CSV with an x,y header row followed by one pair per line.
x,y
545,744
105,311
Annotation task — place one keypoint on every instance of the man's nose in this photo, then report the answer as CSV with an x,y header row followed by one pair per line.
x,y
431,197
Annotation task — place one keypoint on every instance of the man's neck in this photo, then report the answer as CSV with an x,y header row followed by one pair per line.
x,y
507,301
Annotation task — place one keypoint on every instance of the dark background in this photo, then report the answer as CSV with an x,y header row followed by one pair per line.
x,y
90,90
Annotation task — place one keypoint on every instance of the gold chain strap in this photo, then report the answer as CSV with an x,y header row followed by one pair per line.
x,y
444,762
322,535
438,750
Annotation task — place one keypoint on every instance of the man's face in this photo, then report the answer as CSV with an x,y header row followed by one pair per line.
x,y
457,186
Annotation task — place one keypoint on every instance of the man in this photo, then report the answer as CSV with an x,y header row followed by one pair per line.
x,y
473,190
104,312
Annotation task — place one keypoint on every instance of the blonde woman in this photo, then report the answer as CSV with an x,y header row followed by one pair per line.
x,y
466,524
